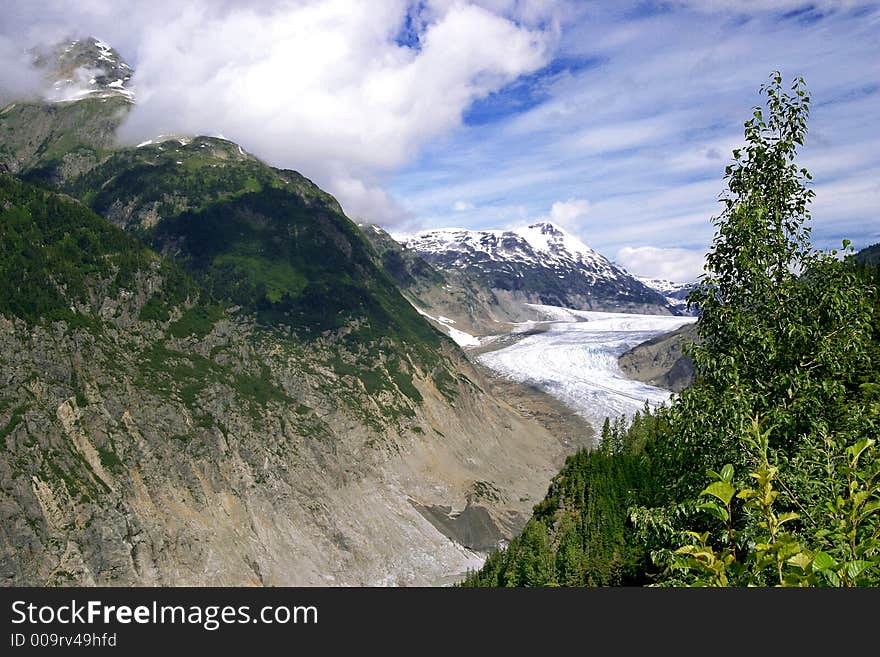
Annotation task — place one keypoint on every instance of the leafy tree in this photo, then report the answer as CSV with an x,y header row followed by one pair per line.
x,y
786,335
782,325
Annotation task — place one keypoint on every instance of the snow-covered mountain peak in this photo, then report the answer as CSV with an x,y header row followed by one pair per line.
x,y
539,263
663,285
548,237
542,242
675,293
85,68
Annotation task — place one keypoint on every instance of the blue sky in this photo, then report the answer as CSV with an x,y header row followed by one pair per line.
x,y
636,115
614,119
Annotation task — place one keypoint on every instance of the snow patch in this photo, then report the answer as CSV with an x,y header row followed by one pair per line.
x,y
461,338
558,314
662,285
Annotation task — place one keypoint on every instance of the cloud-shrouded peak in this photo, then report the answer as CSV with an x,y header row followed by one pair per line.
x,y
325,88
345,92
83,67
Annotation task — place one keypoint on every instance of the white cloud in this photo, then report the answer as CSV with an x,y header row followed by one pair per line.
x,y
365,201
18,78
677,265
566,213
462,206
321,86
623,135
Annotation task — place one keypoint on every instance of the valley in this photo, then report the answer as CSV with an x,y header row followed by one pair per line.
x,y
212,376
437,294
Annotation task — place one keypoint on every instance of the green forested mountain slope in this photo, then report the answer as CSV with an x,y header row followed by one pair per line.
x,y
268,240
766,471
580,534
870,255
265,239
54,142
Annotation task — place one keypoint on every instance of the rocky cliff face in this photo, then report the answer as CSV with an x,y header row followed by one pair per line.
x,y
119,484
661,362
151,435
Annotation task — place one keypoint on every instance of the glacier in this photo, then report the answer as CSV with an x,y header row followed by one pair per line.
x,y
573,357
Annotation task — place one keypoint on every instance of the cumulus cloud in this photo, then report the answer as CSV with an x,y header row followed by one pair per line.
x,y
567,213
332,88
677,265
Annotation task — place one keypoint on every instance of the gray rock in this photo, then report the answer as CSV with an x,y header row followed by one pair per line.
x,y
660,361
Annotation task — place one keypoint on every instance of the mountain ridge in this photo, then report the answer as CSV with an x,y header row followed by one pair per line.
x,y
539,263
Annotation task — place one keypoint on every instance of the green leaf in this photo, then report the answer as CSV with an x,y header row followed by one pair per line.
x,y
832,577
715,509
856,568
870,507
697,552
727,473
823,561
855,451
720,489
785,517
802,560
